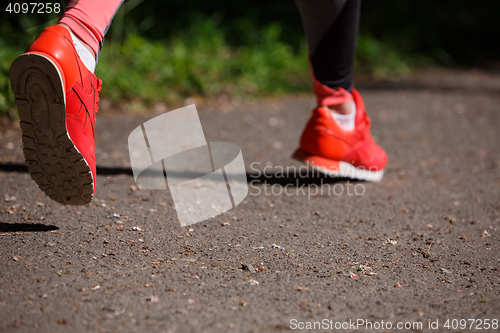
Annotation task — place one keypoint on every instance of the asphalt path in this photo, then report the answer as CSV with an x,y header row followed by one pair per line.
x,y
417,252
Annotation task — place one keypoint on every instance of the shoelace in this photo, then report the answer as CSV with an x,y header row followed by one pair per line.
x,y
99,88
363,128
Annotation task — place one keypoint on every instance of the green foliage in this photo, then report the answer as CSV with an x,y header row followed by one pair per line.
x,y
13,43
381,60
459,32
200,62
205,59
7,55
155,53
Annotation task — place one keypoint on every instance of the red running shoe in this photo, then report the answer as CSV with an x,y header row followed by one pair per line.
x,y
57,98
333,151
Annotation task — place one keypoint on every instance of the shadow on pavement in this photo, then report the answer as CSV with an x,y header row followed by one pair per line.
x,y
109,171
26,227
257,178
13,167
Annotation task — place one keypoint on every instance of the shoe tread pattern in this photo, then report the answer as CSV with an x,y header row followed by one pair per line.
x,y
53,161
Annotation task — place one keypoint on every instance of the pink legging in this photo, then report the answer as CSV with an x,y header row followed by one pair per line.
x,y
90,19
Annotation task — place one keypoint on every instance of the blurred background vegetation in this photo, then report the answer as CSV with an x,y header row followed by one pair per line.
x,y
167,51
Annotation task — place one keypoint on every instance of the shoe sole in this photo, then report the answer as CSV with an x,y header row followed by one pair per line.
x,y
53,161
337,168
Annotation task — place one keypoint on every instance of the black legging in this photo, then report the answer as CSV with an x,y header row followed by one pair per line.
x,y
331,28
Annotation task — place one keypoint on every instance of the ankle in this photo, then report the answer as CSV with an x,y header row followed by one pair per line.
x,y
344,108
84,51
73,35
344,114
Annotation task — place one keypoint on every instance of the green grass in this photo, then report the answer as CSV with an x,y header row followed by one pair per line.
x,y
200,62
383,59
7,55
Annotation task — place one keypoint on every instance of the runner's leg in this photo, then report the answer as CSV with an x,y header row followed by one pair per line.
x,y
337,138
331,28
90,20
